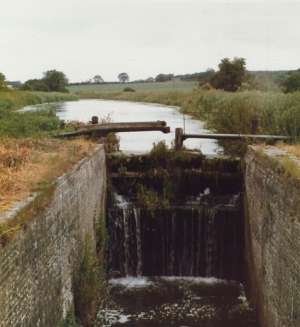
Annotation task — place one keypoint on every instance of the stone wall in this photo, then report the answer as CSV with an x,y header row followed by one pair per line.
x,y
273,237
37,267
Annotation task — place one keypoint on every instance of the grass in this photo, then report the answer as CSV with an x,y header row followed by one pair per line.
x,y
291,162
223,112
13,100
291,167
161,87
226,112
28,124
32,165
287,163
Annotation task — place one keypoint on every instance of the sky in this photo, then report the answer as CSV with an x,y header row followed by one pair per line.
x,y
145,37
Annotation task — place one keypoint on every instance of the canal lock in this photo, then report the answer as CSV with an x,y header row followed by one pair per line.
x,y
175,224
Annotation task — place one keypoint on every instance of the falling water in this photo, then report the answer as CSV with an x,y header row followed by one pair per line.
x,y
177,241
137,217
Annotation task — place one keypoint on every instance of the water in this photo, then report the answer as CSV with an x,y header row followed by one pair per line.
x,y
175,301
204,240
123,111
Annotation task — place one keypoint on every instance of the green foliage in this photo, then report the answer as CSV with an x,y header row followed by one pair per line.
x,y
123,77
55,81
204,78
3,85
164,77
87,285
25,124
157,87
231,74
261,81
292,83
147,198
70,321
35,85
128,89
159,151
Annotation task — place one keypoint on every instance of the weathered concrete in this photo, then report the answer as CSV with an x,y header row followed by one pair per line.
x,y
273,237
37,267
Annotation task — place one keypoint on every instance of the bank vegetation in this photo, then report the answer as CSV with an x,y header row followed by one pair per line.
x,y
30,166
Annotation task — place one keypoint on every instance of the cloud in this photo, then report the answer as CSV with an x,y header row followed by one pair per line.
x,y
144,37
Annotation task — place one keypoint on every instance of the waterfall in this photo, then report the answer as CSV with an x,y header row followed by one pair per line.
x,y
204,240
137,217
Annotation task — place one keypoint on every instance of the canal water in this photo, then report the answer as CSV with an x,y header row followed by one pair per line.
x,y
175,301
124,111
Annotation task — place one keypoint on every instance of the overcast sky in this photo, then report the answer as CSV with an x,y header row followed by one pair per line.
x,y
145,37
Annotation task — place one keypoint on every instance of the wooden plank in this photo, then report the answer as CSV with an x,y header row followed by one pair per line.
x,y
104,129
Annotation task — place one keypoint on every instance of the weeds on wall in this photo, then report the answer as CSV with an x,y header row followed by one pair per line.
x,y
70,321
89,283
86,285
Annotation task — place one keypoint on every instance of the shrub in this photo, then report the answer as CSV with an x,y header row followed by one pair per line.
x,y
147,198
3,85
292,83
128,89
15,124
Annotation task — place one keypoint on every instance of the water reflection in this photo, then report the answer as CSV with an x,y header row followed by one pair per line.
x,y
122,111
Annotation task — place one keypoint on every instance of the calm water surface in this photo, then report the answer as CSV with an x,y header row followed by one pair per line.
x,y
123,111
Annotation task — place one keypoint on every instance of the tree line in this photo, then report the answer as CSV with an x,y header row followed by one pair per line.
x,y
231,76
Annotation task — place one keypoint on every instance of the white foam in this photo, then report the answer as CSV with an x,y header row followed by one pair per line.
x,y
133,282
121,201
200,280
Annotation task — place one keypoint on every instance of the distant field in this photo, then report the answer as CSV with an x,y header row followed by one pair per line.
x,y
142,87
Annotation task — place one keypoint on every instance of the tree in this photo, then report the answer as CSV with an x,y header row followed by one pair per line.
x,y
123,77
164,77
205,77
150,80
231,74
98,79
292,83
35,85
56,81
3,85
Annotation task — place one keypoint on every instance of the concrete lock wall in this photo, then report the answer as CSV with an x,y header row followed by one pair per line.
x,y
273,237
37,267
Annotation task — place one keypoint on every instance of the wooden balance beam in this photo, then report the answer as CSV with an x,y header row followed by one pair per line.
x,y
180,137
100,130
